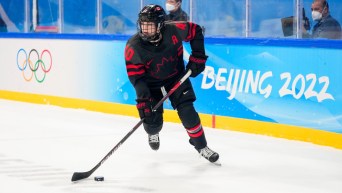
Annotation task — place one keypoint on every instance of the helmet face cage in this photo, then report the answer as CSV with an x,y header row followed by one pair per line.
x,y
155,15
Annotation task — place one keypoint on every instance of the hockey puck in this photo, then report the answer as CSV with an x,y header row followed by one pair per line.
x,y
98,178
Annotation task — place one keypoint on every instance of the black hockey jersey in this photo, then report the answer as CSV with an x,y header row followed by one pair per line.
x,y
151,67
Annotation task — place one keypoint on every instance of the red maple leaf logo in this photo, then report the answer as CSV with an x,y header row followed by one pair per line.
x,y
166,68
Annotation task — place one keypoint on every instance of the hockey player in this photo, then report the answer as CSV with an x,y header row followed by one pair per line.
x,y
154,61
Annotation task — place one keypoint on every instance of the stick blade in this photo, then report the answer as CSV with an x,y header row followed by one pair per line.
x,y
80,175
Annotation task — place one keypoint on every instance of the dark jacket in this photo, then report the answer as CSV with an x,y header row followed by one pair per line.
x,y
178,15
328,28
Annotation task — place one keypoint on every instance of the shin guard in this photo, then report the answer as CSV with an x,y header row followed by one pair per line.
x,y
191,121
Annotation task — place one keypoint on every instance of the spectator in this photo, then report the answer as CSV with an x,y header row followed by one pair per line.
x,y
174,7
326,26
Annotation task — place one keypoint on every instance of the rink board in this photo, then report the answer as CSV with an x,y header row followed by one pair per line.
x,y
318,137
282,88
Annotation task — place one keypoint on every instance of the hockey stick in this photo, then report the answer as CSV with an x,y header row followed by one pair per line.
x,y
82,175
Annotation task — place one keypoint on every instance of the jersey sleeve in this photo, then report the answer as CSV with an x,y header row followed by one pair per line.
x,y
136,72
192,32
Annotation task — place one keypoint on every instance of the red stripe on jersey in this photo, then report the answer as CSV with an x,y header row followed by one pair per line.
x,y
134,66
192,31
181,26
136,73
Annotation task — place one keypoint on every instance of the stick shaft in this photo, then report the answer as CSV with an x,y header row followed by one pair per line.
x,y
82,175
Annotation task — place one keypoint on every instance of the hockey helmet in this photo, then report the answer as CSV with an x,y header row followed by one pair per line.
x,y
154,14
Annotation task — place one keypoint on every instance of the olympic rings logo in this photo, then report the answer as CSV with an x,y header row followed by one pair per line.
x,y
33,60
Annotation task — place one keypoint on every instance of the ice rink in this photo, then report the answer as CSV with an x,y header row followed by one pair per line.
x,y
42,145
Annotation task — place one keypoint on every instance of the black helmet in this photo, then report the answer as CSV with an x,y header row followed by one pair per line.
x,y
151,13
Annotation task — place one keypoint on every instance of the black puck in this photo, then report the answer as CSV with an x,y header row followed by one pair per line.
x,y
98,178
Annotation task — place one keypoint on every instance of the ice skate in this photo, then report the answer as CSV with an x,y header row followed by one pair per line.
x,y
210,155
153,141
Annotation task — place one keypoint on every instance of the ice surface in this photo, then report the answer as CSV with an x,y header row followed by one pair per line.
x,y
41,146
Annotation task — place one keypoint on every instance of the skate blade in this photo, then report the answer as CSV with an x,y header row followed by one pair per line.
x,y
217,163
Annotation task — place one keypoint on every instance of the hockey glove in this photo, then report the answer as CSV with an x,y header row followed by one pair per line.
x,y
144,107
196,64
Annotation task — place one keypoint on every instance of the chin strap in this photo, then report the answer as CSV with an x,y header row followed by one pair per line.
x,y
157,42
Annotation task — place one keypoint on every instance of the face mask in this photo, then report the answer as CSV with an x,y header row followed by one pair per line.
x,y
316,15
169,7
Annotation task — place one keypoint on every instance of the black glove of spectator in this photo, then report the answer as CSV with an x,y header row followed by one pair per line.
x,y
196,64
144,107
